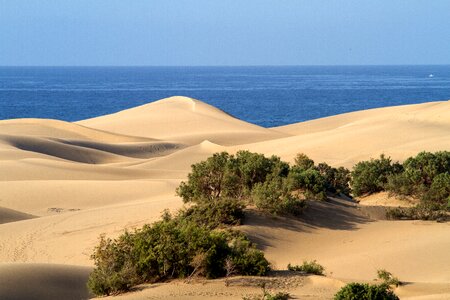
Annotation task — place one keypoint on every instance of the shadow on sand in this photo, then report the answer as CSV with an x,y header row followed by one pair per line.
x,y
333,214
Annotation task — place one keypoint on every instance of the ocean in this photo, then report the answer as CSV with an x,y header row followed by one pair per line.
x,y
267,96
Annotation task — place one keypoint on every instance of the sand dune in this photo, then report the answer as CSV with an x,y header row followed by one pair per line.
x,y
182,119
399,132
63,184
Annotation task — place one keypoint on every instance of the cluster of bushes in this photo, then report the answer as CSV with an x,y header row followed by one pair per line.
x,y
364,291
243,179
425,177
269,183
174,247
323,177
196,240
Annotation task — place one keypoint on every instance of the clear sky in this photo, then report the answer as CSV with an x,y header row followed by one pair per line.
x,y
226,32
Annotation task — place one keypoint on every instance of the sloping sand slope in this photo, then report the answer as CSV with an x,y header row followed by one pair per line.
x,y
63,184
399,132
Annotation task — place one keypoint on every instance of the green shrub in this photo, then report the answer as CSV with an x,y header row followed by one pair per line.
x,y
308,267
210,180
401,184
337,180
252,168
418,174
275,197
371,176
363,291
222,211
310,182
388,278
225,175
171,248
425,177
439,191
422,168
246,259
114,271
303,162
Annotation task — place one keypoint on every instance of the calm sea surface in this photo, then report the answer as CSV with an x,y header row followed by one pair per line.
x,y
268,96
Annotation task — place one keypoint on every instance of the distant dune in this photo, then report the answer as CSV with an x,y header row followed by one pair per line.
x,y
399,132
63,184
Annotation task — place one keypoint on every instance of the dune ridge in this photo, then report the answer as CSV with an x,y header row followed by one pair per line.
x,y
66,183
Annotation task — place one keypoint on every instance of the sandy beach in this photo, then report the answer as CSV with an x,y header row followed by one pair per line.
x,y
64,184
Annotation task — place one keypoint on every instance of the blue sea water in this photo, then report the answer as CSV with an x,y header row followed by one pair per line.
x,y
268,96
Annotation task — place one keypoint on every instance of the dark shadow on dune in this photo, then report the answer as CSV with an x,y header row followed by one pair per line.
x,y
333,214
43,281
9,215
136,150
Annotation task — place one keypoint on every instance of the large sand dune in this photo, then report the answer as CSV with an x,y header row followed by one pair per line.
x,y
63,184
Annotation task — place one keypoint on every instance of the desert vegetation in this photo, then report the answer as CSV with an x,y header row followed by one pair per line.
x,y
268,183
175,247
425,177
308,267
199,240
365,291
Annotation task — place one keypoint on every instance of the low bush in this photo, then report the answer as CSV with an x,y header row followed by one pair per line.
x,y
337,180
171,248
425,166
114,271
400,184
425,176
309,182
252,168
303,162
225,175
439,191
211,179
364,291
275,197
217,213
308,267
369,177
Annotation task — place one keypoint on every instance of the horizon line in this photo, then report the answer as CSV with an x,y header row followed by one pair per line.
x,y
216,66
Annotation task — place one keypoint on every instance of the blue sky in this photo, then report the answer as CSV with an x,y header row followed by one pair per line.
x,y
227,32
